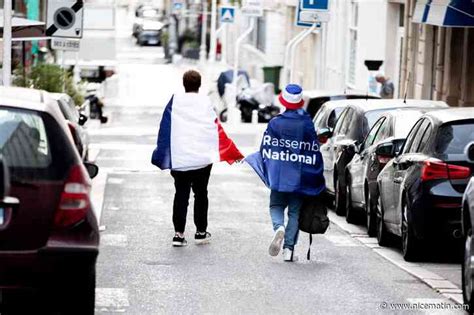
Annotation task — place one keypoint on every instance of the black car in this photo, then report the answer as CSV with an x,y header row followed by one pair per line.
x,y
314,100
76,122
467,224
421,189
362,171
351,129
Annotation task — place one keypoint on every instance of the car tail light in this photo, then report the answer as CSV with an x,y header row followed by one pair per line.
x,y
323,139
75,200
439,170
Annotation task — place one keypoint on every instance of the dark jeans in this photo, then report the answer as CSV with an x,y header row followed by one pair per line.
x,y
184,181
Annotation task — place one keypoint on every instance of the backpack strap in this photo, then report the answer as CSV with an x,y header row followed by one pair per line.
x,y
308,255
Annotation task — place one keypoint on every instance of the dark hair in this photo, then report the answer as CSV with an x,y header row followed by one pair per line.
x,y
191,81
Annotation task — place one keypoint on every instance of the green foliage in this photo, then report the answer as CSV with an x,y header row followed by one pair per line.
x,y
51,78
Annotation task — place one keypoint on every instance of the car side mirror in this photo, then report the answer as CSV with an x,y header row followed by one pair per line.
x,y
4,179
324,134
82,119
92,169
385,152
470,152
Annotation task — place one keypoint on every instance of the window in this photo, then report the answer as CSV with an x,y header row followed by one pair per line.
x,y
348,120
417,138
411,136
258,35
453,138
340,122
372,134
425,138
384,131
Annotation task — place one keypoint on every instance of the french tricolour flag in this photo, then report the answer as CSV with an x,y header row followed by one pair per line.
x,y
190,135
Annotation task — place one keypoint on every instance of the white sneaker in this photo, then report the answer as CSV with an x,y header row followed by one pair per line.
x,y
278,238
288,255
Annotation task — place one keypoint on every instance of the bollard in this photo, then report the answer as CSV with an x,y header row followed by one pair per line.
x,y
255,117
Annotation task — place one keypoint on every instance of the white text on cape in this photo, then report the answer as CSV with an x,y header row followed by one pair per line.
x,y
287,156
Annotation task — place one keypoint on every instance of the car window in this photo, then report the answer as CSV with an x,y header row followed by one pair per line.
x,y
453,138
33,145
411,136
315,104
425,138
319,118
333,116
419,135
371,117
384,131
340,122
373,133
347,121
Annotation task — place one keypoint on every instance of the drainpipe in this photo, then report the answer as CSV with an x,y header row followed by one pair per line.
x,y
293,50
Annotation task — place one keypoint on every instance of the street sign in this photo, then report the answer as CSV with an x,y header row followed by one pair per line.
x,y
253,8
65,44
227,14
65,18
307,14
178,5
314,4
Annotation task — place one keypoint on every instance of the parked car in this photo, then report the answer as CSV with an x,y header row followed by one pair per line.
x,y
76,122
421,188
467,217
327,116
362,171
49,240
145,13
149,33
351,128
314,99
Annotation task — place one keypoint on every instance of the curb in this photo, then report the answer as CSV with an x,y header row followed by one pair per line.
x,y
441,285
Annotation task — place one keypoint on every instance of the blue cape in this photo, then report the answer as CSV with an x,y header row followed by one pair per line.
x,y
289,159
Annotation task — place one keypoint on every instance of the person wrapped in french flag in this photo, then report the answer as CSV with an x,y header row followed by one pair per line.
x,y
191,136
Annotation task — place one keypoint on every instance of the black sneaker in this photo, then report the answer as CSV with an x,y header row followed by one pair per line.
x,y
179,241
202,238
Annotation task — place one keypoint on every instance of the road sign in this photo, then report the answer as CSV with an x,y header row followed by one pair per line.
x,y
65,18
252,8
178,5
65,44
307,15
227,14
314,4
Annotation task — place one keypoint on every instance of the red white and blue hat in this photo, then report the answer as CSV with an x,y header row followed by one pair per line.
x,y
292,97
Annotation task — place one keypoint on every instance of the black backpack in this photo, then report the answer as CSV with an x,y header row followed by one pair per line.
x,y
313,217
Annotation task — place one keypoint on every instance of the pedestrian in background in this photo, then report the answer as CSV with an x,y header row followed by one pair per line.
x,y
388,88
190,140
290,164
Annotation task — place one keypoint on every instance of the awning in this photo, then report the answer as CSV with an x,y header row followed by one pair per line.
x,y
448,13
23,27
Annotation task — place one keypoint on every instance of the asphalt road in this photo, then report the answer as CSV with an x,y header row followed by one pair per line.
x,y
139,272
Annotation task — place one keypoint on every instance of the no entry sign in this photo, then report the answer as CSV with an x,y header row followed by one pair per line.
x,y
64,18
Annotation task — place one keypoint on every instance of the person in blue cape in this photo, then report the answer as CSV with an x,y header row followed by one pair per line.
x,y
290,164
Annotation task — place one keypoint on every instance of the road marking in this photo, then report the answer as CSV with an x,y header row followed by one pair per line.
x,y
341,240
116,240
111,300
113,208
115,181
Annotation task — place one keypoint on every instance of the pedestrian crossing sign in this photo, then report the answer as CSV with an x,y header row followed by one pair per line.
x,y
227,14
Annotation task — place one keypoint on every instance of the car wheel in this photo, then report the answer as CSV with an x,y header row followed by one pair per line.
x,y
410,244
371,216
339,198
467,284
350,216
382,233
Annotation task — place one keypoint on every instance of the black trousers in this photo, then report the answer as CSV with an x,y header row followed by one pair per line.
x,y
184,181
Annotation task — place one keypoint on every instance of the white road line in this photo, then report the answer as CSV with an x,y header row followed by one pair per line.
x,y
116,240
341,240
111,300
115,181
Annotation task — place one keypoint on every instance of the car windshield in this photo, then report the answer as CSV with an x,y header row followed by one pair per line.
x,y
453,138
32,147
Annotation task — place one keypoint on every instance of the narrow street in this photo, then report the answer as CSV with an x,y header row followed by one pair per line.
x,y
139,272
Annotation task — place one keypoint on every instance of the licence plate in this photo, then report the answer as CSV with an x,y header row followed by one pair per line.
x,y
2,216
153,41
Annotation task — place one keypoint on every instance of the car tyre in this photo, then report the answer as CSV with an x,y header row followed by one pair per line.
x,y
350,215
467,281
411,245
339,197
381,230
370,214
